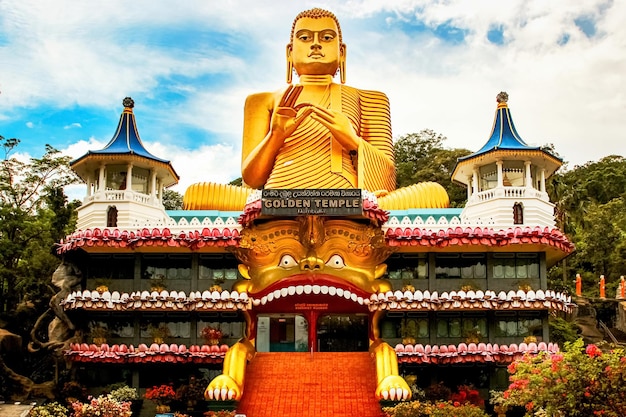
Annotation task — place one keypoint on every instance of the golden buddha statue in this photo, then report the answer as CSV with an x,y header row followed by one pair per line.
x,y
317,133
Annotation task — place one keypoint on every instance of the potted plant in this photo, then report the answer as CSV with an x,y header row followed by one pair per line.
x,y
99,334
159,333
102,406
408,331
122,393
53,409
161,395
212,335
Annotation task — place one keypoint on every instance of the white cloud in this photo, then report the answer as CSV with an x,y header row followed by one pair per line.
x,y
72,126
30,125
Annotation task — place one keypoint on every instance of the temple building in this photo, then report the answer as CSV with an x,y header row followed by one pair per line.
x,y
316,287
465,289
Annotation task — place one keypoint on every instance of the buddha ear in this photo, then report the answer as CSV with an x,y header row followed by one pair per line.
x,y
289,64
343,49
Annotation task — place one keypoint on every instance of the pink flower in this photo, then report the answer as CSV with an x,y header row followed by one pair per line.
x,y
593,351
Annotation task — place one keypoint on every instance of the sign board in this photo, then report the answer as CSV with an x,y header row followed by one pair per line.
x,y
323,202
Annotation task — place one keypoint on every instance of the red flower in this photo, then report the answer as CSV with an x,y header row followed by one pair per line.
x,y
593,351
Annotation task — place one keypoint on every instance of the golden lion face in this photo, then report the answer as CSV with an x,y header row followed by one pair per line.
x,y
312,250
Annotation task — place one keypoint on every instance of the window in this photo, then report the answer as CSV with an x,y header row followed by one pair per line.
x,y
112,216
461,326
218,267
407,267
518,213
518,326
111,267
160,267
460,266
516,266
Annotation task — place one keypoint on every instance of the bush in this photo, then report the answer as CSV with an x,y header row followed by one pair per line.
x,y
433,409
579,382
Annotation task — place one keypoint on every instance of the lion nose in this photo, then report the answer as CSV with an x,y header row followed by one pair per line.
x,y
311,263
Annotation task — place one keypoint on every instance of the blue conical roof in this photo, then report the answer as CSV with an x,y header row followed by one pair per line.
x,y
126,139
503,133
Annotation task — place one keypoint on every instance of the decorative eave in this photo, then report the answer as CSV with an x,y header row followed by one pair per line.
x,y
470,300
155,353
146,238
157,301
470,353
555,243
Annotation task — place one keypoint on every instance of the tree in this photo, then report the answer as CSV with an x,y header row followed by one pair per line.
x,y
421,157
591,209
30,199
172,200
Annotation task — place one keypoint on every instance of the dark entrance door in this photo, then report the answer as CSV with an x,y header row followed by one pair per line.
x,y
342,333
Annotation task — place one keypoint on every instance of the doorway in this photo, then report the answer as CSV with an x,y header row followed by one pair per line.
x,y
282,333
342,333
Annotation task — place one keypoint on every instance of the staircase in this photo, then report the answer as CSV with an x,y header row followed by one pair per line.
x,y
297,384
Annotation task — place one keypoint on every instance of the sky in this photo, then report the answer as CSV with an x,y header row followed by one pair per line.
x,y
66,66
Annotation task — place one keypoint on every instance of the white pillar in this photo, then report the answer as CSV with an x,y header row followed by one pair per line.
x,y
529,179
500,179
542,184
129,177
475,180
469,187
153,180
89,185
101,179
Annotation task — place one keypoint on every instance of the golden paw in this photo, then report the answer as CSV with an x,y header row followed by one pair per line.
x,y
394,388
223,388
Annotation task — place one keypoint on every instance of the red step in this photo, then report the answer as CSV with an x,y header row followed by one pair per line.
x,y
297,384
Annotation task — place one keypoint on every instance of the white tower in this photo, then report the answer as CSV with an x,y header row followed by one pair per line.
x,y
506,178
125,182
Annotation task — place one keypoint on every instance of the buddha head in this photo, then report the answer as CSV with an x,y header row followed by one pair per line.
x,y
315,46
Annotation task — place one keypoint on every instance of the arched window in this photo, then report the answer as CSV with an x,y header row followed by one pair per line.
x,y
518,213
112,216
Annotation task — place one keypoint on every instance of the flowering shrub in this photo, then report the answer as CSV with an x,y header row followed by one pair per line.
x,y
221,413
102,406
73,391
433,409
160,394
467,395
211,333
577,382
49,410
124,393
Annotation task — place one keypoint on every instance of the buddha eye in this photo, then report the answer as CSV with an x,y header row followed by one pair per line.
x,y
327,36
287,261
335,261
304,35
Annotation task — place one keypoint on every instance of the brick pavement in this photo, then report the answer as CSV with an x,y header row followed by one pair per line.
x,y
296,384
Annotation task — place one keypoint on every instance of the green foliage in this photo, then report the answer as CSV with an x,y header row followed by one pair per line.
x,y
576,383
562,331
421,157
591,209
34,214
172,200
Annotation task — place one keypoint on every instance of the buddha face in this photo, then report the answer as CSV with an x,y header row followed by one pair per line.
x,y
315,48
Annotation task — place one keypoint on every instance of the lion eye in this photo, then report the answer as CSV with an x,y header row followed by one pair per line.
x,y
335,261
287,261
